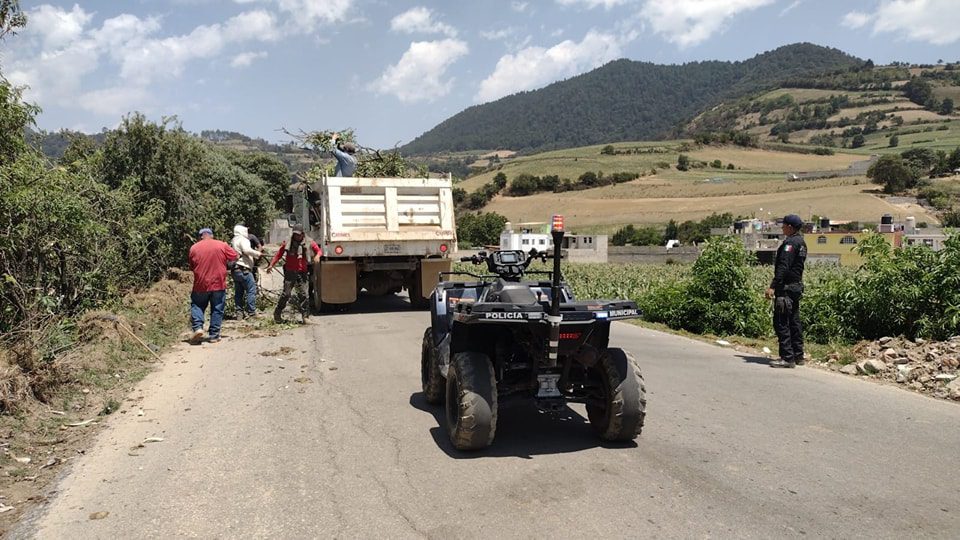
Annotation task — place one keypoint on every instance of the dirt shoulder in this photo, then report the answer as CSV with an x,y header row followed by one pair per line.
x,y
57,407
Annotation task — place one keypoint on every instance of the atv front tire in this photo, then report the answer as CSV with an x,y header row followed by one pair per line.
x,y
471,401
621,419
430,377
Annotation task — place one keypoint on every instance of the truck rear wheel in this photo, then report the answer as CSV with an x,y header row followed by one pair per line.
x,y
316,302
430,377
415,290
621,416
471,401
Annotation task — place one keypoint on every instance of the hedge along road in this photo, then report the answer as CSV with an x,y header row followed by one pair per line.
x,y
331,438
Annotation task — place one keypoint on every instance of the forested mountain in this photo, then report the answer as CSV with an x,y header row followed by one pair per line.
x,y
623,100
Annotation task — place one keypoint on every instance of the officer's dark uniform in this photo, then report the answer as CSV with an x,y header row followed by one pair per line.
x,y
787,287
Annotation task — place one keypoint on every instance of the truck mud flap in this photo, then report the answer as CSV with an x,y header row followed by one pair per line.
x,y
429,273
338,282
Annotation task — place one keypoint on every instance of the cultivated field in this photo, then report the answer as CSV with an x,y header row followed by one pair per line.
x,y
599,207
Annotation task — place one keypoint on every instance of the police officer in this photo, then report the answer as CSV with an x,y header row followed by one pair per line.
x,y
786,290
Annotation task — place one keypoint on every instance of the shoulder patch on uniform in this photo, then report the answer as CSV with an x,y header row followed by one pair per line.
x,y
788,247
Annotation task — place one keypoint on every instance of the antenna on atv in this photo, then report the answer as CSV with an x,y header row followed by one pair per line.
x,y
554,317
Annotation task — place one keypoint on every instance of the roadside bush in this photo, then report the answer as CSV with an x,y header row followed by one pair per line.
x,y
911,291
719,297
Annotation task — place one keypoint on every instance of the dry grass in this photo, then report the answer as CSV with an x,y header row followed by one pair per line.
x,y
897,107
853,202
925,116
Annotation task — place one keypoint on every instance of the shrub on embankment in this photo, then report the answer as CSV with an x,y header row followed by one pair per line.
x,y
104,221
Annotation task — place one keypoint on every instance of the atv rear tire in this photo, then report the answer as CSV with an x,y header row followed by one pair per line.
x,y
471,401
622,417
430,377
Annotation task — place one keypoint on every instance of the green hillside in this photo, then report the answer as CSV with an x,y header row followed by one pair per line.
x,y
621,101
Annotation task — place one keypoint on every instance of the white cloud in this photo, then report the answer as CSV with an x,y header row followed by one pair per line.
x,y
519,7
933,21
590,4
308,15
247,58
690,22
62,53
252,25
420,73
58,27
856,19
536,66
114,101
793,5
420,20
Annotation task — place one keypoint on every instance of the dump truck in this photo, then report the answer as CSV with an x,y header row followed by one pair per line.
x,y
378,235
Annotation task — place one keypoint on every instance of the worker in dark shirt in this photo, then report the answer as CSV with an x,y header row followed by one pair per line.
x,y
786,290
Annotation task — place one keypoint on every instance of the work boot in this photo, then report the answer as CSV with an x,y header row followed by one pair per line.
x,y
798,360
277,318
781,363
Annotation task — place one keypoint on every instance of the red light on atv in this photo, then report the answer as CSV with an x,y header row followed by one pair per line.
x,y
557,223
570,335
338,250
443,248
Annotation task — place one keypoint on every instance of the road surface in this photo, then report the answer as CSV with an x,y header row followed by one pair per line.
x,y
331,438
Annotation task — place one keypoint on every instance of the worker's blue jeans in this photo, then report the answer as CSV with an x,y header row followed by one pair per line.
x,y
245,291
198,306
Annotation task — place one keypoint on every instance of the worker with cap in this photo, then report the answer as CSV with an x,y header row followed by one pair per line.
x,y
296,272
208,260
344,152
786,290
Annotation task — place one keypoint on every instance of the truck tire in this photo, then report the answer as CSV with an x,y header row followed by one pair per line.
x,y
430,377
415,290
316,303
621,419
471,401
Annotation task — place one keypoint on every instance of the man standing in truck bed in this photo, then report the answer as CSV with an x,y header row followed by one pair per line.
x,y
346,161
296,273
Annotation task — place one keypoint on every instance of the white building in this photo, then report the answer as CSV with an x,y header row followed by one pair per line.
x,y
526,237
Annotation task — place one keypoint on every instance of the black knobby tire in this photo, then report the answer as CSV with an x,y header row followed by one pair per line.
x,y
471,401
621,419
430,377
415,290
316,301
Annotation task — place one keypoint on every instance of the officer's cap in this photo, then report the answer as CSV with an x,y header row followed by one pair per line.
x,y
793,220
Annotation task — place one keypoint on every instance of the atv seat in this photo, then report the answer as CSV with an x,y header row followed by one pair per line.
x,y
511,293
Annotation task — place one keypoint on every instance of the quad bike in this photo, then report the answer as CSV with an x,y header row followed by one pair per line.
x,y
499,337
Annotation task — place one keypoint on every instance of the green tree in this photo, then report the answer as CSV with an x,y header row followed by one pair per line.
x,y
683,162
671,230
946,106
894,141
623,236
480,229
648,236
459,196
608,150
858,141
891,171
589,179
12,19
918,91
500,180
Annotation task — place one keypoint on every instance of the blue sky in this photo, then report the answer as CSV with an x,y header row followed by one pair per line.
x,y
392,70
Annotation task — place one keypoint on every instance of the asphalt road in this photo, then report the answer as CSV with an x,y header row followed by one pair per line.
x,y
334,439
